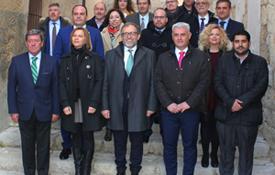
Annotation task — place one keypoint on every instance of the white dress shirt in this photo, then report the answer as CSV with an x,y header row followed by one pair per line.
x,y
177,52
38,61
127,53
57,26
146,20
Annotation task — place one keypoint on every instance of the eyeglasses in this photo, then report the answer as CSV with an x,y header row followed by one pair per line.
x,y
159,17
129,33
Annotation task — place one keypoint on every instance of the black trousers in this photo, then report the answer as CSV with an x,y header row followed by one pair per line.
x,y
35,140
136,153
230,136
83,151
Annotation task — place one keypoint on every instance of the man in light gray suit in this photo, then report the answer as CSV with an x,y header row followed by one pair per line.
x,y
143,16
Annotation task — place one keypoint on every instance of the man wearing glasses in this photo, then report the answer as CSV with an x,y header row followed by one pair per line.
x,y
128,96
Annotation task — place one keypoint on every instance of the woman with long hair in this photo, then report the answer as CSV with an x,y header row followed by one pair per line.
x,y
125,6
81,77
214,41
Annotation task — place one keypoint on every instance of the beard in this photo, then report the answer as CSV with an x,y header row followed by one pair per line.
x,y
242,52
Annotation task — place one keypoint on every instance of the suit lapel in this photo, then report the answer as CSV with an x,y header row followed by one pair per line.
x,y
41,67
138,56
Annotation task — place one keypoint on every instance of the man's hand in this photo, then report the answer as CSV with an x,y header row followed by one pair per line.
x,y
15,117
183,106
67,110
55,117
91,110
149,113
106,114
237,106
173,108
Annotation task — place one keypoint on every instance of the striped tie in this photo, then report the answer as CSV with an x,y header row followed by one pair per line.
x,y
34,69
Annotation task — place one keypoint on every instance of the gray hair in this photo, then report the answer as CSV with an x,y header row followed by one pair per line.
x,y
181,25
35,32
130,24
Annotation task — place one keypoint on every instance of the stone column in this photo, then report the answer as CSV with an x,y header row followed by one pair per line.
x,y
13,25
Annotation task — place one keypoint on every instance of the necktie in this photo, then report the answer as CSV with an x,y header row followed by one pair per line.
x,y
142,24
53,35
222,24
34,69
202,24
130,62
181,58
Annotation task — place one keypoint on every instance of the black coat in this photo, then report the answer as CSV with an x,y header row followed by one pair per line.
x,y
247,82
90,78
91,22
190,84
158,42
141,95
233,27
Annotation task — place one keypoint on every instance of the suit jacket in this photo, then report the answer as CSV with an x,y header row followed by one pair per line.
x,y
91,22
63,46
135,18
141,95
247,82
190,84
233,27
25,97
44,26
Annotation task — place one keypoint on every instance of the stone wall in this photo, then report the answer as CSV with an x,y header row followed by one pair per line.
x,y
12,29
267,46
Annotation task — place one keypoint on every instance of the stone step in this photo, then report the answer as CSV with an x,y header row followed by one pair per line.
x,y
103,164
11,138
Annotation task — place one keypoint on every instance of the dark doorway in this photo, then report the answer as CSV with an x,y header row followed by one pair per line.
x,y
35,13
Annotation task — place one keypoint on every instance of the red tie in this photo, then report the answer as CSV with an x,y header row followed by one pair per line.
x,y
181,58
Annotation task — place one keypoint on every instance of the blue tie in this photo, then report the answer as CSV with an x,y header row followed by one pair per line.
x,y
202,24
130,62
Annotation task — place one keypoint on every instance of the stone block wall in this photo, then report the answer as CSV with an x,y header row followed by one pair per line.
x,y
12,29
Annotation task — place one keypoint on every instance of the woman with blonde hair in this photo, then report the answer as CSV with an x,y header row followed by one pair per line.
x,y
214,41
80,80
125,6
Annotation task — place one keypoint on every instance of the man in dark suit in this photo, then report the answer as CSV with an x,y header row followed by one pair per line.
x,y
143,16
98,21
79,17
182,78
241,81
33,101
223,8
51,26
128,96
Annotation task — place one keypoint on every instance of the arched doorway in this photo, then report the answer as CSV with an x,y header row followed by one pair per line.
x,y
35,13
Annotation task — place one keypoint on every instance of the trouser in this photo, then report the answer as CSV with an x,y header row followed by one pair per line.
x,y
209,134
35,140
230,136
172,124
120,144
67,140
83,151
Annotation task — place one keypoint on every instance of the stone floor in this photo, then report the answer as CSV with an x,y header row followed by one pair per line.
x,y
103,163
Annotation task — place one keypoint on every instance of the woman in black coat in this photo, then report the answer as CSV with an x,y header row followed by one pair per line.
x,y
81,76
214,41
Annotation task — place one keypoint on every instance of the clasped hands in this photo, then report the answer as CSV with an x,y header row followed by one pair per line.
x,y
68,110
176,108
237,105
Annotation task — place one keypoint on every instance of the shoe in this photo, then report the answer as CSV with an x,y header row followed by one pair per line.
x,y
214,161
65,153
108,135
205,161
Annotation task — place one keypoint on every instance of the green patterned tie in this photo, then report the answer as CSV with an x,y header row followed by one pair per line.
x,y
130,63
34,69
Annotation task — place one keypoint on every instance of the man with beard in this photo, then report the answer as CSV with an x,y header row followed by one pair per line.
x,y
240,82
128,96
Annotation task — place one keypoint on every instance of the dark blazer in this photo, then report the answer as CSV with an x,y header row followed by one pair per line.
x,y
25,97
91,78
63,46
141,88
247,82
135,18
44,26
195,26
233,27
91,22
190,84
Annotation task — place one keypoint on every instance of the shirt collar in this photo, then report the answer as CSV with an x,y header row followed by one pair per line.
x,y
225,20
38,55
177,50
57,22
84,26
133,49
